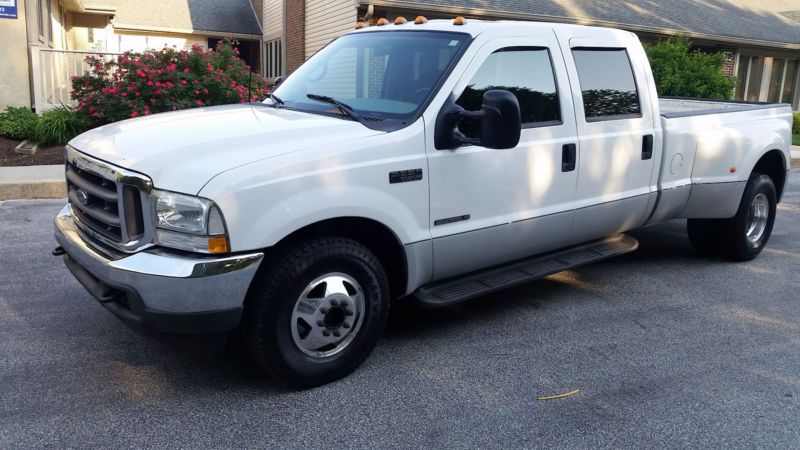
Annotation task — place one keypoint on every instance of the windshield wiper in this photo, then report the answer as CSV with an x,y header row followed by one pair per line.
x,y
276,100
343,107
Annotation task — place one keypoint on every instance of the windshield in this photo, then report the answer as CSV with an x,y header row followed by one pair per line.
x,y
381,75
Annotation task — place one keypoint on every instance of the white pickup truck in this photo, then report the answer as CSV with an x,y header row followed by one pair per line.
x,y
429,160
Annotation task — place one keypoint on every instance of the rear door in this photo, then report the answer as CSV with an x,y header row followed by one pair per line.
x,y
493,206
619,139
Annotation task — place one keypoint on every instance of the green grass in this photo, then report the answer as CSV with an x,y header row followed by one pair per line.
x,y
796,139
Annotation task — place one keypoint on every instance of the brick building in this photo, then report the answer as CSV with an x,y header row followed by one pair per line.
x,y
761,39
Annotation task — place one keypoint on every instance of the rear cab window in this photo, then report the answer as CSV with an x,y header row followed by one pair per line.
x,y
608,86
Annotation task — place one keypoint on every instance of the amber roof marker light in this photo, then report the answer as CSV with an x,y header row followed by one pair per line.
x,y
360,25
459,21
383,21
400,20
420,20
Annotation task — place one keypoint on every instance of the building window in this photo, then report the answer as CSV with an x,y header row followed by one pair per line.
x,y
49,19
273,66
40,18
528,74
751,71
607,84
783,80
766,79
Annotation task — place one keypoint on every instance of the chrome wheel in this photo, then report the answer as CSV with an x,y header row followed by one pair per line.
x,y
327,315
757,217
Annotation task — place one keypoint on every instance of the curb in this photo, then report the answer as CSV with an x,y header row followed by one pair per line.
x,y
32,182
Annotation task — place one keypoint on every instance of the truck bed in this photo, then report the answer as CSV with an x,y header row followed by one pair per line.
x,y
672,107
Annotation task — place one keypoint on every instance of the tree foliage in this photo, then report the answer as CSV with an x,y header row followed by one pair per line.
x,y
683,72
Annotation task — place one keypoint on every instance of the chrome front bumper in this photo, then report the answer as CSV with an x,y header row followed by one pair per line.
x,y
160,290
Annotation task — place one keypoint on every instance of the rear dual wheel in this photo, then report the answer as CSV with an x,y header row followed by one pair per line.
x,y
743,236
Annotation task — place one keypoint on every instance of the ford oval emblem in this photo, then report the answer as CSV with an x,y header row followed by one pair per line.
x,y
83,197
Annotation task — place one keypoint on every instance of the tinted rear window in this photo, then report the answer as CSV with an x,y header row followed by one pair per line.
x,y
607,84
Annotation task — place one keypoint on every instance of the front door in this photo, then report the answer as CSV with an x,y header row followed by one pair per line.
x,y
494,206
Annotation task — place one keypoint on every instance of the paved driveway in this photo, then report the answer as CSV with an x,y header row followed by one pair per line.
x,y
667,348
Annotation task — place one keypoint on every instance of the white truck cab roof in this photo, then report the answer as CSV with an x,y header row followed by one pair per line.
x,y
475,27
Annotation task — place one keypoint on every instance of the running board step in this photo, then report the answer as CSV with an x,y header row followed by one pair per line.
x,y
451,291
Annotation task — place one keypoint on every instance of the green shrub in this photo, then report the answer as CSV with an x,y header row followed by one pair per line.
x,y
58,126
17,123
681,72
796,123
139,84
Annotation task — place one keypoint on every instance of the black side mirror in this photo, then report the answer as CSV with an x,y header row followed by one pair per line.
x,y
499,117
278,81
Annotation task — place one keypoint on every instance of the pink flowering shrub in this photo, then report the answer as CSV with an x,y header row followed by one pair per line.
x,y
140,84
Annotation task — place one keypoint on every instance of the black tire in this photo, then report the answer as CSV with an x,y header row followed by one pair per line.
x,y
705,236
267,321
733,238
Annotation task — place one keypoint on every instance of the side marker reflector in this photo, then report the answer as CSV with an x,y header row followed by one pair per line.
x,y
217,244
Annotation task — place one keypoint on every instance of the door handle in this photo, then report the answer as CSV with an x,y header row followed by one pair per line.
x,y
647,146
568,155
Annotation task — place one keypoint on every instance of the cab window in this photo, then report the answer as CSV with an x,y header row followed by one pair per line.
x,y
607,84
527,72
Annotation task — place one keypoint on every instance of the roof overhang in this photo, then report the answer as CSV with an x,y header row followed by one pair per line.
x,y
172,30
499,14
79,6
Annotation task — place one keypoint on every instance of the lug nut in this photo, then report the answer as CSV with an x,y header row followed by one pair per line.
x,y
321,323
334,302
324,310
348,312
326,333
346,325
336,333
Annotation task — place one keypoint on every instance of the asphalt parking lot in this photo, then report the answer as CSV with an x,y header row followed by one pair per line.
x,y
668,349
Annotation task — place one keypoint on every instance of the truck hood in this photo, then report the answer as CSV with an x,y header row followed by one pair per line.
x,y
182,150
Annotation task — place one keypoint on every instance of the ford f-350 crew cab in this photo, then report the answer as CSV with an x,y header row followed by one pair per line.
x,y
429,160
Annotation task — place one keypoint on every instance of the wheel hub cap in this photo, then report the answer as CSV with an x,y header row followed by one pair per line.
x,y
757,217
327,315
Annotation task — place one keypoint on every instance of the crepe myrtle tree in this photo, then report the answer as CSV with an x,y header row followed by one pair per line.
x,y
139,84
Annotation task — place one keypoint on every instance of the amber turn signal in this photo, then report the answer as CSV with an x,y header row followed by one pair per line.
x,y
459,21
218,244
400,20
360,25
383,21
420,20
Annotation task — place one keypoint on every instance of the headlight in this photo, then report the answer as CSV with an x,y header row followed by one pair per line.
x,y
189,223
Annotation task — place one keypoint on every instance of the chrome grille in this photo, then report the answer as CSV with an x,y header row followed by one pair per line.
x,y
112,205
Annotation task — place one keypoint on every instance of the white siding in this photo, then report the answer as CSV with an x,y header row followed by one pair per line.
x,y
327,19
273,19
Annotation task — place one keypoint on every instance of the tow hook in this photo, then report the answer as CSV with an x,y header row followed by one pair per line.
x,y
58,251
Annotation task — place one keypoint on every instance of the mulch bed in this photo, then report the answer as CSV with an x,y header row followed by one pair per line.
x,y
44,155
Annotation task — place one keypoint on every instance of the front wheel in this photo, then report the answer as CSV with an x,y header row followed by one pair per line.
x,y
315,313
746,234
